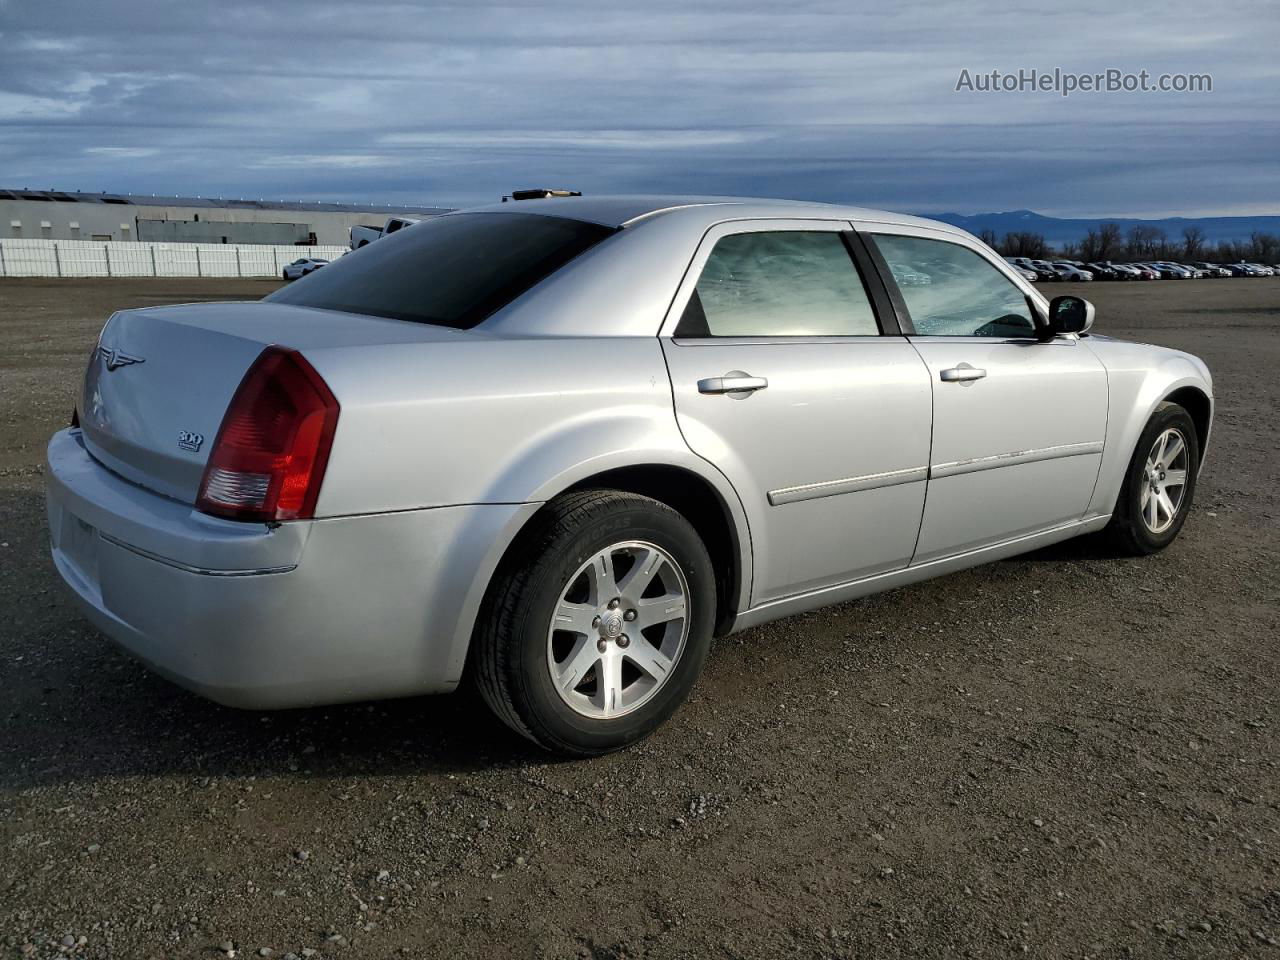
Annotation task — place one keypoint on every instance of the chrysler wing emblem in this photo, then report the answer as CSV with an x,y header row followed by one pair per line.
x,y
116,359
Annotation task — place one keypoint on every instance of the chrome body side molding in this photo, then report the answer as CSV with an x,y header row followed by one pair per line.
x,y
873,481
831,488
188,568
957,467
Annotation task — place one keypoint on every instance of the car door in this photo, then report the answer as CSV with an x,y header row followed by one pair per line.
x,y
1018,423
784,379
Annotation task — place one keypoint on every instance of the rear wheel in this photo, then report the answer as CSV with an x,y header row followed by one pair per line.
x,y
1159,485
597,624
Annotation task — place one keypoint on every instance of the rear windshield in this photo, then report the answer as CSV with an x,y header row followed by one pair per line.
x,y
453,271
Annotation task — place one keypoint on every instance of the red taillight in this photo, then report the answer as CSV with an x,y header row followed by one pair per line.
x,y
269,459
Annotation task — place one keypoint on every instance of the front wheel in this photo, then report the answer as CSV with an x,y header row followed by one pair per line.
x,y
1160,484
597,624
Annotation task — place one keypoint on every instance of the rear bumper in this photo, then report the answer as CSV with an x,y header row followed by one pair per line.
x,y
260,616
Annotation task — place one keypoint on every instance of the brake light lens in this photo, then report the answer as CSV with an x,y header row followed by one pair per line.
x,y
269,459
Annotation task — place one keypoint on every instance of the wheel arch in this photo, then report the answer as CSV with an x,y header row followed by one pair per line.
x,y
688,485
1140,378
639,450
698,501
1197,403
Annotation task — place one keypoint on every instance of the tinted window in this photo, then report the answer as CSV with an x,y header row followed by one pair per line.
x,y
779,284
453,271
950,291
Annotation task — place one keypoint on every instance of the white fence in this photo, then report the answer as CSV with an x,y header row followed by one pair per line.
x,y
94,258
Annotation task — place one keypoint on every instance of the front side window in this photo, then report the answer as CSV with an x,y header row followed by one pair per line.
x,y
951,291
786,283
452,271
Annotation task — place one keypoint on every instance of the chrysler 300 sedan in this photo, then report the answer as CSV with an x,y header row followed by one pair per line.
x,y
557,445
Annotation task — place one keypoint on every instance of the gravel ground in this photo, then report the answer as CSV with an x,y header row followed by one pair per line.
x,y
1066,754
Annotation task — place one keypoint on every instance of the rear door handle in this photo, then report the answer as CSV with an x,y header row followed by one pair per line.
x,y
962,373
735,382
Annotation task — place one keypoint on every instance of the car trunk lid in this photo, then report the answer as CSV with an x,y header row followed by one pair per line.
x,y
160,379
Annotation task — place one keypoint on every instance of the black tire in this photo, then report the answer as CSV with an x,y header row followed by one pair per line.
x,y
1127,530
509,646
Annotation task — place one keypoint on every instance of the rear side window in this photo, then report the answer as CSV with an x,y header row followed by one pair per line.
x,y
786,283
452,271
950,291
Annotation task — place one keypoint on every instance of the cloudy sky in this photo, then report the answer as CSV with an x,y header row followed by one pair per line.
x,y
460,103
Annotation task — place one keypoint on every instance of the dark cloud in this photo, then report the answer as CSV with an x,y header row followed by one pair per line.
x,y
458,103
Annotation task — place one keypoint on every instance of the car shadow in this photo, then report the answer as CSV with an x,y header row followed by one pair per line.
x,y
110,717
1091,546
76,707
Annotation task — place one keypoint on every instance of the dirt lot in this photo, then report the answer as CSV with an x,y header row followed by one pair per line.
x,y
1065,754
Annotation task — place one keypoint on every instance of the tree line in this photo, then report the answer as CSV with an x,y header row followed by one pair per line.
x,y
1108,242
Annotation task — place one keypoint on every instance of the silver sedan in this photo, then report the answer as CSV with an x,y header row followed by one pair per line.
x,y
559,444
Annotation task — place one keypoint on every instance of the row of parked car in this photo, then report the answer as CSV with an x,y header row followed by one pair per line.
x,y
1054,270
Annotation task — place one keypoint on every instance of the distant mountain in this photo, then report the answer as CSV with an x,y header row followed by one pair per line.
x,y
1059,230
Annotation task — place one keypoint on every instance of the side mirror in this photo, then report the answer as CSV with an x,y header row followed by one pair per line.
x,y
1070,315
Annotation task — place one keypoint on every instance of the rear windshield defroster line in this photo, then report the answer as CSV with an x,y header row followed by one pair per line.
x,y
452,271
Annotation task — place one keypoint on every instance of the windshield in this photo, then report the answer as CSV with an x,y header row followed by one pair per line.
x,y
451,271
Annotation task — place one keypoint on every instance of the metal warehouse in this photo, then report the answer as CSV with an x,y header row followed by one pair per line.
x,y
58,215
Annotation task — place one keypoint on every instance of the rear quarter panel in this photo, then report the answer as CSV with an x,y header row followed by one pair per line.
x,y
489,420
484,420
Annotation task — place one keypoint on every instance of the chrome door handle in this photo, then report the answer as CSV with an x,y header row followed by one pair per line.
x,y
732,383
962,373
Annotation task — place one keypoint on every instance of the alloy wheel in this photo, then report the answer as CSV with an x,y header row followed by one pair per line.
x,y
618,630
1164,482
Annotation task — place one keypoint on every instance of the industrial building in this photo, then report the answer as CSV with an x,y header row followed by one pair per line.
x,y
58,215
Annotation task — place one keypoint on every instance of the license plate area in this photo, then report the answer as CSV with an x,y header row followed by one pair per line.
x,y
79,547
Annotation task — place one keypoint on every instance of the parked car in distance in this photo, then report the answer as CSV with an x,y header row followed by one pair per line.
x,y
1045,270
301,267
909,277
1164,270
1022,265
1106,271
1212,269
394,474
1068,271
1242,269
362,236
